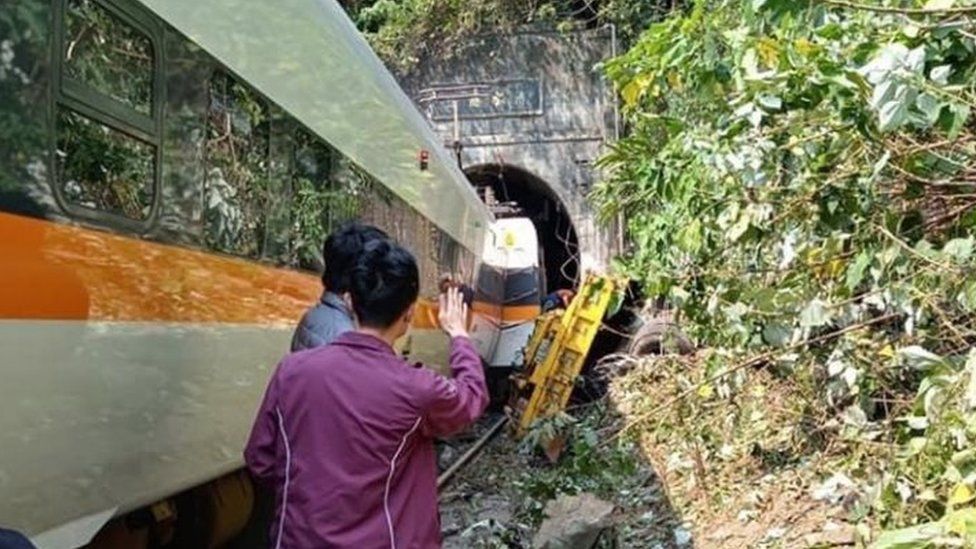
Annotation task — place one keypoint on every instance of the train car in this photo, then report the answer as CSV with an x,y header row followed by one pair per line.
x,y
168,172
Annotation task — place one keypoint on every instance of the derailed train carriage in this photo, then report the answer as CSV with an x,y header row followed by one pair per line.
x,y
168,171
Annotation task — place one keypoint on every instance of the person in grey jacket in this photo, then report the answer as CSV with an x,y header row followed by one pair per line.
x,y
10,539
331,316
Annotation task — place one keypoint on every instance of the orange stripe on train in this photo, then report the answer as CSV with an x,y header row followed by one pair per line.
x,y
425,316
53,271
57,271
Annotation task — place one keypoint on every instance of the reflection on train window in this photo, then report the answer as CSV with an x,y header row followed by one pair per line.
x,y
314,198
24,70
108,55
327,190
237,180
103,169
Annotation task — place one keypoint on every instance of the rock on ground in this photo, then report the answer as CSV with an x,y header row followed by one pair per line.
x,y
573,522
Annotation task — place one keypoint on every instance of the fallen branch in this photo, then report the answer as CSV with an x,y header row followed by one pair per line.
x,y
904,245
937,221
747,364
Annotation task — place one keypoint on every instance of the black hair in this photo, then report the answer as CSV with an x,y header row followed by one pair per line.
x,y
341,250
384,283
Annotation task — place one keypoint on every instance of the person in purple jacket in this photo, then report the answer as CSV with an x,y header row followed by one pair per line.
x,y
345,433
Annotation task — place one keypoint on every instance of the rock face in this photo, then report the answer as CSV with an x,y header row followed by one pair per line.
x,y
532,112
573,522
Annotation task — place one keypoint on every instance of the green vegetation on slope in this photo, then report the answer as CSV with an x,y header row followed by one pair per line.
x,y
799,181
405,31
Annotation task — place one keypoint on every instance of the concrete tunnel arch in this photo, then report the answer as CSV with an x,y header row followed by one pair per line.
x,y
558,237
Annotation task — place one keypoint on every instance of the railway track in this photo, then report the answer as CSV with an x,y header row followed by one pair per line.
x,y
488,428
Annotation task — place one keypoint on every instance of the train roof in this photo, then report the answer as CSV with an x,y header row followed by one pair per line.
x,y
308,57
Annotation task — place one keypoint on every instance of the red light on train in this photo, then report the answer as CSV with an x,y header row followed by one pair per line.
x,y
424,158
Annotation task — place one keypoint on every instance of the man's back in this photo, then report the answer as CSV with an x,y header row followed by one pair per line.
x,y
358,467
322,323
331,316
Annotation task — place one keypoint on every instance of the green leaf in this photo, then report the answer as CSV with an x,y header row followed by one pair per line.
x,y
690,237
940,74
939,4
960,113
880,165
909,538
963,456
960,494
856,270
959,249
770,102
918,357
894,113
814,315
750,63
970,397
776,334
740,227
961,522
616,303
929,106
918,423
635,89
916,445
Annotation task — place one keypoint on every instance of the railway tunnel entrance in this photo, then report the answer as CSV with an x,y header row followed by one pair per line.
x,y
518,192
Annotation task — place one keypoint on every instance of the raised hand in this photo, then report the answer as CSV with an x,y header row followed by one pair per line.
x,y
453,313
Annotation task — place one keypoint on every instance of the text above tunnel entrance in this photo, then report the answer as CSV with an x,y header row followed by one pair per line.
x,y
533,198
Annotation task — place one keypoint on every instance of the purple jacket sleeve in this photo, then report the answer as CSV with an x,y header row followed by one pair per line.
x,y
260,454
458,402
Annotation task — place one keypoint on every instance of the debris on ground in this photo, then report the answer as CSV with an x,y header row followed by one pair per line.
x,y
479,505
685,450
573,522
501,498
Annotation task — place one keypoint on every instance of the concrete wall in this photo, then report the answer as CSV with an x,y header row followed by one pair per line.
x,y
535,101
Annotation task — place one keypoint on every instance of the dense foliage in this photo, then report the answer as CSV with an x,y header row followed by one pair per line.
x,y
799,181
405,31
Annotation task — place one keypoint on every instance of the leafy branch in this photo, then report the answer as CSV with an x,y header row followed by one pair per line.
x,y
789,173
900,10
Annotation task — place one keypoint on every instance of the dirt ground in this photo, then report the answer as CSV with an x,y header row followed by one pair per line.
x,y
479,504
487,504
483,505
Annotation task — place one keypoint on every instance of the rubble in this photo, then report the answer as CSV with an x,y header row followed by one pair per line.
x,y
574,522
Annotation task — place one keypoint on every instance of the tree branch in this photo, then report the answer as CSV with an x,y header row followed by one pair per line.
x,y
912,251
747,364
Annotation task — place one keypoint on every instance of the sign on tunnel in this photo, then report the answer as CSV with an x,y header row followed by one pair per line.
x,y
498,99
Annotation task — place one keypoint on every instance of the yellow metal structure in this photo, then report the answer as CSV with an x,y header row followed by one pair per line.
x,y
556,351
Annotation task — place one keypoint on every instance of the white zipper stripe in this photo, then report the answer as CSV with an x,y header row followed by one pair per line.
x,y
389,480
284,493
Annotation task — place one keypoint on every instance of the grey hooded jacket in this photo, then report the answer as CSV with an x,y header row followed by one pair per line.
x,y
322,323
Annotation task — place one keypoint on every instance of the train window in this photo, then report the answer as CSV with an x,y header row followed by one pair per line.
x,y
238,182
108,55
313,159
24,80
313,194
103,169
